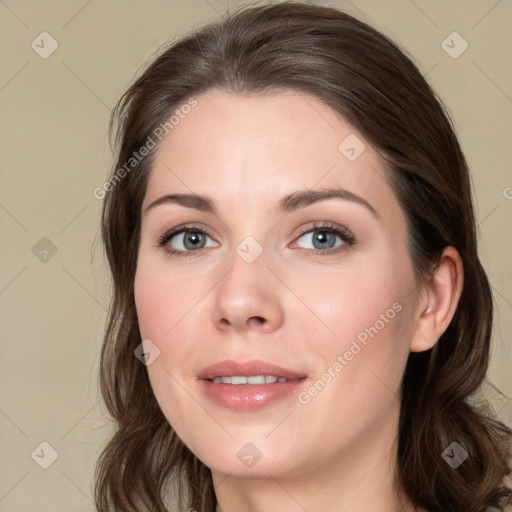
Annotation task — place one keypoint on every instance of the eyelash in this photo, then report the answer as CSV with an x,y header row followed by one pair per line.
x,y
168,235
346,236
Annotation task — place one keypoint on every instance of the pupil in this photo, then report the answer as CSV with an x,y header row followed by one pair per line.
x,y
193,239
325,239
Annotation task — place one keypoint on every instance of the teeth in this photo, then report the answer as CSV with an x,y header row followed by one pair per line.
x,y
256,379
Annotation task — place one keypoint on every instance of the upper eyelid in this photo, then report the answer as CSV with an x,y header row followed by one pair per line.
x,y
198,227
340,231
183,228
187,227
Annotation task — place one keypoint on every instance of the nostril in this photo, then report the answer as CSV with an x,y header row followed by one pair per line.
x,y
259,320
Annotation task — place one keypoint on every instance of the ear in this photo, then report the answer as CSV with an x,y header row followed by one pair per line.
x,y
438,302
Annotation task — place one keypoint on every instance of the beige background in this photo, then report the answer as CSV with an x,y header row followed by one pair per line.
x,y
54,115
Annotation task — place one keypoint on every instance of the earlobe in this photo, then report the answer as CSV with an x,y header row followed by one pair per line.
x,y
439,301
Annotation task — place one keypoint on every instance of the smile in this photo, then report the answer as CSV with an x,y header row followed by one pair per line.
x,y
249,386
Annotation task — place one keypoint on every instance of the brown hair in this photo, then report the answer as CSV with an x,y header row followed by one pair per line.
x,y
367,79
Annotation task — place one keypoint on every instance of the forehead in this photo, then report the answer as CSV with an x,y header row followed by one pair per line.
x,y
253,149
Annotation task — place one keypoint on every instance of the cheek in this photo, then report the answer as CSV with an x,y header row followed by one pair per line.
x,y
154,306
163,302
357,301
158,314
369,313
164,298
358,369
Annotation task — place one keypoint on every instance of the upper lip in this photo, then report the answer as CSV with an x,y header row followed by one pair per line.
x,y
230,368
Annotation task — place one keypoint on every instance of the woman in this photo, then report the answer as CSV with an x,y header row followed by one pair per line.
x,y
300,316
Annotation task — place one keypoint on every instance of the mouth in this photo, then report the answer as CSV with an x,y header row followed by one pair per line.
x,y
249,386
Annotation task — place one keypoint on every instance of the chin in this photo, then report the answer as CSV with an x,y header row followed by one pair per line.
x,y
243,458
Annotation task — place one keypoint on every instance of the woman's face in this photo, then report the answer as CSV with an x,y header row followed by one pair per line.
x,y
289,261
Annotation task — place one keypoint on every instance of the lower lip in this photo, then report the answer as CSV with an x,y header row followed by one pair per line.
x,y
249,397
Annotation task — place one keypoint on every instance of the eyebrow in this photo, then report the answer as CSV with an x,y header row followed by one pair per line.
x,y
287,203
304,198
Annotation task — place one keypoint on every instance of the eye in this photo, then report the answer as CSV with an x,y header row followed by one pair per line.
x,y
183,240
325,238
189,240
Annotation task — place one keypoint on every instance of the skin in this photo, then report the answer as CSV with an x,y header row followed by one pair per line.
x,y
290,307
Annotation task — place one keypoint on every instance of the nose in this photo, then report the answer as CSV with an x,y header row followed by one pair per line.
x,y
247,298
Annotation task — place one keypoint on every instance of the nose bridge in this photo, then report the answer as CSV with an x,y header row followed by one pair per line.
x,y
245,280
246,292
